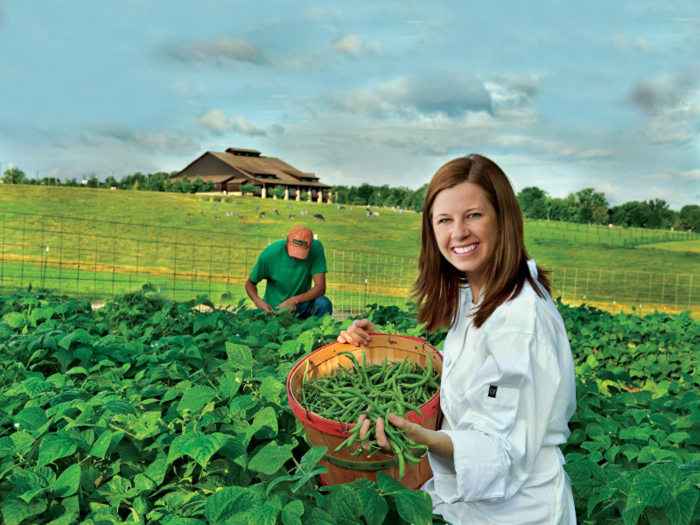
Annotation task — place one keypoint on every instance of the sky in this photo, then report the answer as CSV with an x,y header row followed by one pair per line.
x,y
563,95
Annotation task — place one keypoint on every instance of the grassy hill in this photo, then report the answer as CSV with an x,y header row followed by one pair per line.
x,y
101,242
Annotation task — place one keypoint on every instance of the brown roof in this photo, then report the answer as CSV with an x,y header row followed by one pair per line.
x,y
268,165
215,178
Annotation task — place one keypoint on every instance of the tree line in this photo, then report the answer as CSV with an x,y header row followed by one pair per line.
x,y
368,195
159,181
591,207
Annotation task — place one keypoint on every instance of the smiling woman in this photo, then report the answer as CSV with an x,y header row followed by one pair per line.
x,y
508,387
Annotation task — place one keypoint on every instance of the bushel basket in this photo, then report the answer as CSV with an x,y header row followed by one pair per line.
x,y
342,467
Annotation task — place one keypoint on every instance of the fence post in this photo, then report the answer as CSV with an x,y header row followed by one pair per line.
x,y
675,302
663,290
588,274
575,285
94,281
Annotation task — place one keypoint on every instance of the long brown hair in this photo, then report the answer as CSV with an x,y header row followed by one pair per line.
x,y
438,285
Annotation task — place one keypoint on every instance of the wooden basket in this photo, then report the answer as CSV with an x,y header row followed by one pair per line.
x,y
342,467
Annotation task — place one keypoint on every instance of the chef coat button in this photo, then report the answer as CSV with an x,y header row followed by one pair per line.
x,y
447,362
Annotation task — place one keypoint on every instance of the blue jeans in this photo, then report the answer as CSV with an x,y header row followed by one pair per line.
x,y
319,307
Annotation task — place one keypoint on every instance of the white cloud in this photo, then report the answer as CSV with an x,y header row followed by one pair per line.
x,y
184,89
317,13
352,46
625,43
216,121
689,175
162,141
220,51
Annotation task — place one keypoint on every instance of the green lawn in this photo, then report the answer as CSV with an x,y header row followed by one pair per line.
x,y
176,241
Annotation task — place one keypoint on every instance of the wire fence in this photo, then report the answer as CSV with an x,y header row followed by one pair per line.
x,y
99,259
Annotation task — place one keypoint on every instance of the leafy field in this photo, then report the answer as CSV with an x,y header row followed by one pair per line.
x,y
681,246
153,411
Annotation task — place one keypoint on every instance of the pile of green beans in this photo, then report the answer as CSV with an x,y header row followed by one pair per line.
x,y
376,391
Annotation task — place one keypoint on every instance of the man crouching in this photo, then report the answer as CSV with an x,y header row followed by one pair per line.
x,y
290,266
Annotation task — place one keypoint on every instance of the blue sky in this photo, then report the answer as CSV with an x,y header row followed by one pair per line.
x,y
563,95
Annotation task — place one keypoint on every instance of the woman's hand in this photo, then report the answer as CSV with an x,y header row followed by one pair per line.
x,y
414,432
358,332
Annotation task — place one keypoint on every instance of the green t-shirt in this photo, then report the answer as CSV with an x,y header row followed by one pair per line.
x,y
285,276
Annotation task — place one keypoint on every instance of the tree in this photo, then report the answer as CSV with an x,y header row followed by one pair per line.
x,y
557,209
600,215
278,191
527,198
365,191
304,195
111,182
197,185
588,200
157,181
248,188
209,186
659,213
93,181
689,218
185,185
70,183
539,209
340,194
14,176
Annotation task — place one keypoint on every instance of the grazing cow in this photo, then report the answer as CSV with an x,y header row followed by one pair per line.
x,y
217,218
189,215
262,214
216,207
341,207
289,205
257,208
375,214
319,217
201,212
292,217
277,213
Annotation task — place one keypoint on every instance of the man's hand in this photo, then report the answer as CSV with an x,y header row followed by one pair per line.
x,y
262,304
290,303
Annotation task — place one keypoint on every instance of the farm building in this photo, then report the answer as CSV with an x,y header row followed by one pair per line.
x,y
237,166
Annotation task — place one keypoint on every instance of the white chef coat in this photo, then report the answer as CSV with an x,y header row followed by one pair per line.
x,y
508,392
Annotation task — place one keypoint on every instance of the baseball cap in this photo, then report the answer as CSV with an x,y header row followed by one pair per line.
x,y
299,242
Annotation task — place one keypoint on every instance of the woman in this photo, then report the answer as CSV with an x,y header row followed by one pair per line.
x,y
508,388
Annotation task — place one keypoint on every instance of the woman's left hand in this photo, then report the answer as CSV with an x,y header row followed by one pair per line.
x,y
414,432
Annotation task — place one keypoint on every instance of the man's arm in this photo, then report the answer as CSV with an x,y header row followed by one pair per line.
x,y
252,290
317,290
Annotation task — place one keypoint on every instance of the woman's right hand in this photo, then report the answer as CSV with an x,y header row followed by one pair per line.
x,y
358,332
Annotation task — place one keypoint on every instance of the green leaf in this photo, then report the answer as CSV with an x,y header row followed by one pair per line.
x,y
101,444
387,484
228,501
677,437
415,506
321,517
311,458
374,507
68,482
201,448
54,447
240,356
270,389
14,510
15,319
680,509
290,347
270,458
229,385
195,398
31,419
266,423
292,512
263,515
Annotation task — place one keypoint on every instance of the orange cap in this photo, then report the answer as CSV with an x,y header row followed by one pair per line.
x,y
299,242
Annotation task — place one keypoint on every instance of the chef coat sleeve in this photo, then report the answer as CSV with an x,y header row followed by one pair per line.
x,y
507,409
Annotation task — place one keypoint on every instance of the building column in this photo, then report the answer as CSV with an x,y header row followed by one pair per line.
x,y
298,196
263,195
320,196
330,197
286,193
309,199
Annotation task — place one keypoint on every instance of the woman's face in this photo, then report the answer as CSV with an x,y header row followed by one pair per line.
x,y
466,228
